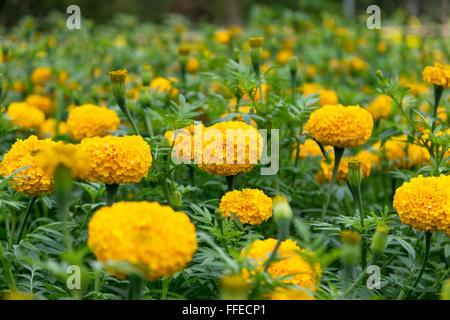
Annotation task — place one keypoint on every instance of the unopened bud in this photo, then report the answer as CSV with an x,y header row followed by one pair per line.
x,y
184,49
379,239
350,247
236,54
118,86
379,74
293,66
282,214
256,42
354,173
146,75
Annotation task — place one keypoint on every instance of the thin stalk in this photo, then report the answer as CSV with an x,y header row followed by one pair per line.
x,y
134,288
231,182
7,270
165,189
25,218
111,192
338,152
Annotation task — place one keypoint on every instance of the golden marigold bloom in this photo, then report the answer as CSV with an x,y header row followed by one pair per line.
x,y
310,149
250,206
159,240
342,174
117,159
284,55
240,154
89,121
290,294
41,76
48,127
222,36
417,155
118,75
161,85
192,65
424,203
24,115
68,155
297,263
355,64
31,181
380,107
438,75
325,96
339,126
41,102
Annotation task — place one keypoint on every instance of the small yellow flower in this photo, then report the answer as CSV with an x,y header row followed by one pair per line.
x,y
256,42
438,75
250,206
48,127
222,36
193,65
380,107
24,115
41,76
43,103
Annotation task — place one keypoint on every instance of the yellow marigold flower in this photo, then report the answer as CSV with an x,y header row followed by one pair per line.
x,y
118,76
424,203
41,102
89,121
68,155
380,107
159,240
342,174
256,42
284,55
222,36
184,49
244,150
417,155
339,126
290,294
250,206
31,181
438,75
193,65
24,115
41,76
328,97
18,87
117,159
17,295
355,64
381,47
48,127
309,149
296,262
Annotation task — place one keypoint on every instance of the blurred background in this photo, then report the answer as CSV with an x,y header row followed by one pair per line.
x,y
226,12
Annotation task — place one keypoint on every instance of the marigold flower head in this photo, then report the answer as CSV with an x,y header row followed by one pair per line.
x,y
48,127
284,55
41,76
295,262
250,206
184,49
339,126
439,74
33,180
118,76
161,85
290,294
222,36
183,133
192,65
117,159
68,155
424,203
240,154
89,121
41,102
24,115
380,107
159,240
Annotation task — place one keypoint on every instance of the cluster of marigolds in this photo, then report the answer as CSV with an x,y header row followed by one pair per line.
x,y
163,241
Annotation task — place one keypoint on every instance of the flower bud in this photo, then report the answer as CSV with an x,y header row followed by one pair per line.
x,y
350,247
177,200
146,75
233,287
282,214
354,173
379,239
236,54
256,42
379,74
184,49
293,64
118,86
445,291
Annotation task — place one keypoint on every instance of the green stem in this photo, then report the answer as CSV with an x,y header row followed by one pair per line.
x,y
338,152
7,270
165,189
272,255
111,192
231,182
134,288
25,218
356,192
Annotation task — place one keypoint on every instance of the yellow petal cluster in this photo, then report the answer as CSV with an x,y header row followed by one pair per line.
x,y
439,74
380,107
243,153
250,206
31,181
89,121
339,126
48,127
296,263
424,203
159,240
117,159
41,76
180,144
24,115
